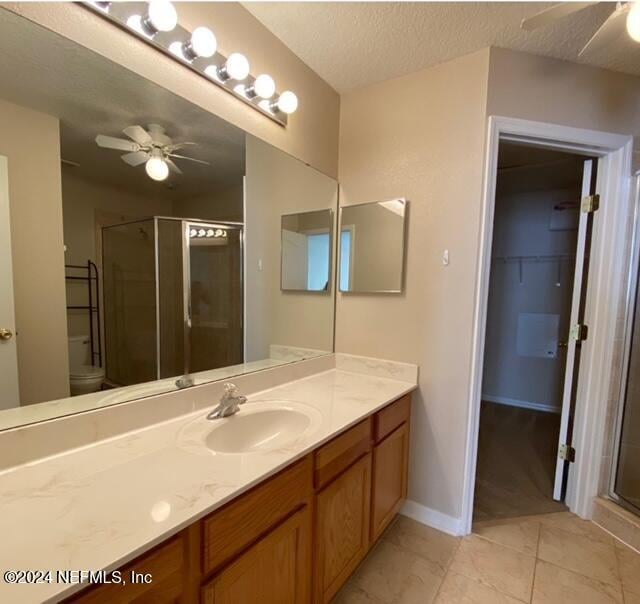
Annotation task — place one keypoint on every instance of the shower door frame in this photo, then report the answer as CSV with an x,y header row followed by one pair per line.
x,y
631,316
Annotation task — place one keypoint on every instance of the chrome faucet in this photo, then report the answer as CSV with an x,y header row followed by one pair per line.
x,y
229,403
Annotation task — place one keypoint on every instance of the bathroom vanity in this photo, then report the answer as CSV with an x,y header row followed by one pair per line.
x,y
295,537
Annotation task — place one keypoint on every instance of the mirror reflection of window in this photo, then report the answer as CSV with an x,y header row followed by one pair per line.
x,y
306,251
318,253
346,257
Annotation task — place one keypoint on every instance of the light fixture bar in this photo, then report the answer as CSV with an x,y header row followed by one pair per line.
x,y
177,44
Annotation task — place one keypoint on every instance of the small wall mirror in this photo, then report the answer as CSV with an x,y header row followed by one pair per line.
x,y
306,251
372,247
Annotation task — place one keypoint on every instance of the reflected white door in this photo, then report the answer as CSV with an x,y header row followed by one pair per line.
x,y
9,396
577,317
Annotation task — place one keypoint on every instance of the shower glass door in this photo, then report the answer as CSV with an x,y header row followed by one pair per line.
x,y
626,485
214,275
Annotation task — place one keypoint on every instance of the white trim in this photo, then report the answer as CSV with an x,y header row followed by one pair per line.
x,y
614,173
514,402
432,518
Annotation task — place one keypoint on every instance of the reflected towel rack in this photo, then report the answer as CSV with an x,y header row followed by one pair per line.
x,y
93,306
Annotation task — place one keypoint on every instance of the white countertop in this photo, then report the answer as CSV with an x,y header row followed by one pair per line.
x,y
100,506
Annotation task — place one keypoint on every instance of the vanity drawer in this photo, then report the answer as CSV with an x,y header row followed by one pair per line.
x,y
243,521
167,567
387,420
338,454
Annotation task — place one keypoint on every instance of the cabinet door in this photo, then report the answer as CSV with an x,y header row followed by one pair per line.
x,y
276,570
389,489
342,528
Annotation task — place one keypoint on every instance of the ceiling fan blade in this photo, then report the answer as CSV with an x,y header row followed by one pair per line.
x,y
111,142
206,163
553,13
136,158
612,29
176,146
138,134
172,166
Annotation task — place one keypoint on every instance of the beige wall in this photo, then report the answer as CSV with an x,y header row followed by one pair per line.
x,y
31,142
422,137
312,133
225,204
548,90
430,149
278,184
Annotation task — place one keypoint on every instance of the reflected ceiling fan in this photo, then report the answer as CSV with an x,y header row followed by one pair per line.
x,y
625,16
151,147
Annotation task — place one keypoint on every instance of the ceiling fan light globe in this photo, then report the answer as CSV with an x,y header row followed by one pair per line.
x,y
157,168
203,42
633,22
162,15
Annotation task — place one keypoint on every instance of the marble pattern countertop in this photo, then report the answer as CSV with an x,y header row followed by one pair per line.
x,y
102,505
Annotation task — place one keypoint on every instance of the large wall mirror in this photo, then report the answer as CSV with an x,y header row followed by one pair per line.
x,y
372,246
143,253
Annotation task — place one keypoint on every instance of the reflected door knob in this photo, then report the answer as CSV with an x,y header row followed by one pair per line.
x,y
5,334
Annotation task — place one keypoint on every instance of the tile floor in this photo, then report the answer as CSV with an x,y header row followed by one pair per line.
x,y
546,559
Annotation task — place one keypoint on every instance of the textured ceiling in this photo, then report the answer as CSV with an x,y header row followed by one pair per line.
x,y
352,44
91,95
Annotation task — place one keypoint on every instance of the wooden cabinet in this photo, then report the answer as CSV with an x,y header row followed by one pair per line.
x,y
244,520
295,538
342,528
389,483
276,570
167,568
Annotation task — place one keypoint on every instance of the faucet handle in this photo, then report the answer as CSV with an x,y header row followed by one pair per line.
x,y
230,389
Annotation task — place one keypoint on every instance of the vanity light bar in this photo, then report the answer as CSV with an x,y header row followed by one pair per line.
x,y
208,232
156,22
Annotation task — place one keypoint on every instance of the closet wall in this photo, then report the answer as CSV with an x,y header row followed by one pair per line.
x,y
533,253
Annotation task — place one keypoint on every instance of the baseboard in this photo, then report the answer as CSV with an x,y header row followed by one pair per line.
x,y
432,518
514,402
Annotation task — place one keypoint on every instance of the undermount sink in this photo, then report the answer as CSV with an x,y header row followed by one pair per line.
x,y
259,427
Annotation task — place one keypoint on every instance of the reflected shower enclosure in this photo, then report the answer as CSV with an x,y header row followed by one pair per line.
x,y
173,298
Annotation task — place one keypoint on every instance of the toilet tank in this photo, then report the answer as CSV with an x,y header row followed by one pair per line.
x,y
79,351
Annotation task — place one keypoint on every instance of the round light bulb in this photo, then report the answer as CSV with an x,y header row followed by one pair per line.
x,y
287,102
203,42
157,168
162,15
633,22
237,66
264,86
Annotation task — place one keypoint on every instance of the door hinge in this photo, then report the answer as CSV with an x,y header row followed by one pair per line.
x,y
579,332
567,453
591,203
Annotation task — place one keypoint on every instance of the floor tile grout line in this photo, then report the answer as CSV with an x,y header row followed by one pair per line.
x,y
509,547
535,566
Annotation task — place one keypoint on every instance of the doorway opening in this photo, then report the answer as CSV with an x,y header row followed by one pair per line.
x,y
537,290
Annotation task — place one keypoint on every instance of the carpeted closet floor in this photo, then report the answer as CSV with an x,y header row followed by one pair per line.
x,y
516,463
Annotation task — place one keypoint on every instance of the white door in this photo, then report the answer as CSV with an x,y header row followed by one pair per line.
x,y
574,344
8,352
